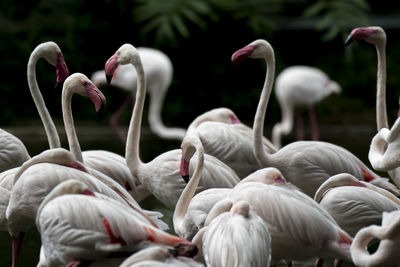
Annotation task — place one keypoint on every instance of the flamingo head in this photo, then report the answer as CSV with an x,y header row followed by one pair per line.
x,y
80,84
52,54
373,35
188,147
257,49
126,54
268,175
242,208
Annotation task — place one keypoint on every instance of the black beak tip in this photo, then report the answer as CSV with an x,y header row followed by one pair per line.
x,y
58,86
108,78
186,178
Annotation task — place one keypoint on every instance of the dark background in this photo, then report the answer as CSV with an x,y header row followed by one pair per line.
x,y
200,37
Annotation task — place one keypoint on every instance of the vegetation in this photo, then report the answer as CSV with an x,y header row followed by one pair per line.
x,y
199,36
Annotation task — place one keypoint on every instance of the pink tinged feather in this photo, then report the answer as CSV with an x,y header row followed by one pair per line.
x,y
235,120
61,69
77,165
95,95
113,238
88,192
111,65
242,54
367,176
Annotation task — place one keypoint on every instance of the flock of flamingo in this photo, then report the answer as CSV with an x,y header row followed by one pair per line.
x,y
237,198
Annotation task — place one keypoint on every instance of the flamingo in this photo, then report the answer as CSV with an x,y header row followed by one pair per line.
x,y
387,253
377,36
13,151
237,238
107,162
161,175
293,219
41,174
158,70
300,86
191,210
306,164
354,204
160,256
76,225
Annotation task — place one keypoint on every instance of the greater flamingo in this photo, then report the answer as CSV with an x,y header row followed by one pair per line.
x,y
76,225
158,72
161,175
354,204
160,256
12,151
238,237
387,253
306,164
191,210
377,37
293,219
299,86
41,174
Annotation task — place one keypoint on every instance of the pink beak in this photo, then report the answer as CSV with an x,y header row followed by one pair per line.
x,y
111,66
95,95
184,169
242,54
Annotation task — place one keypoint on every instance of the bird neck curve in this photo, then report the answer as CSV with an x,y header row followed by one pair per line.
x,y
381,113
49,127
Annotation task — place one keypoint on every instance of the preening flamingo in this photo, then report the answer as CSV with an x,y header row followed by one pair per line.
x,y
238,237
293,219
158,72
354,204
306,164
13,151
161,175
299,86
76,225
387,253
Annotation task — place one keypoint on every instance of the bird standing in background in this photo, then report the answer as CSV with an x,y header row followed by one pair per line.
x,y
158,70
298,86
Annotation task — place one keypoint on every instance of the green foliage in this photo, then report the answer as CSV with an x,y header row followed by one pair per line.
x,y
168,20
338,16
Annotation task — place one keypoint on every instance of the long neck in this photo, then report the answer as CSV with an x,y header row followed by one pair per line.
x,y
283,127
189,191
132,144
49,127
73,142
258,129
381,115
155,121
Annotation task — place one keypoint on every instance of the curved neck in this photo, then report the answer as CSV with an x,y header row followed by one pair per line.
x,y
155,121
132,143
283,127
73,142
258,127
381,115
190,189
49,127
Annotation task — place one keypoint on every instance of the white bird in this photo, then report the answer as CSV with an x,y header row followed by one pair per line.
x,y
12,151
114,165
158,256
238,237
377,37
191,210
161,175
387,253
354,204
306,164
76,225
299,86
158,70
293,220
